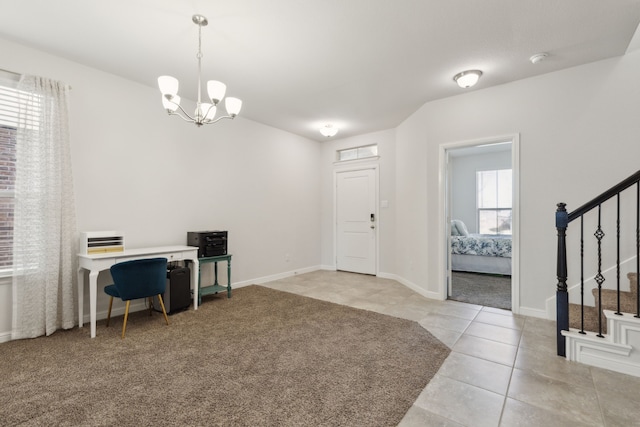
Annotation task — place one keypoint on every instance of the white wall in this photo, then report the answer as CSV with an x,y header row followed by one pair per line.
x,y
579,133
156,177
463,183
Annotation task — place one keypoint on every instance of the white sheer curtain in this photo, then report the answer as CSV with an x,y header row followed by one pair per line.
x,y
45,238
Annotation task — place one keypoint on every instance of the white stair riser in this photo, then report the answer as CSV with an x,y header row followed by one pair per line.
x,y
618,351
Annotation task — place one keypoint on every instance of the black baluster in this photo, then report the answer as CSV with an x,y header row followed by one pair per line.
x,y
599,277
637,250
618,255
562,296
582,275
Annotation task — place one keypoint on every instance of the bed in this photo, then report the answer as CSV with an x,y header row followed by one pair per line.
x,y
479,253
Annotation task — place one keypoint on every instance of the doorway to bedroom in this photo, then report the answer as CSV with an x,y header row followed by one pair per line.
x,y
479,204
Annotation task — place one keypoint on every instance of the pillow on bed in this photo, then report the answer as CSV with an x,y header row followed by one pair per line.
x,y
454,228
458,228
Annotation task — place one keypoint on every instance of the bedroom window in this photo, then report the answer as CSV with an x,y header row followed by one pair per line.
x,y
493,190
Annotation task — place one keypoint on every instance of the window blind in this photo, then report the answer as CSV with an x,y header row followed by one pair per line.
x,y
9,107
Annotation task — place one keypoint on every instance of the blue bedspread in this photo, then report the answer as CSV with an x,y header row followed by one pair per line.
x,y
482,244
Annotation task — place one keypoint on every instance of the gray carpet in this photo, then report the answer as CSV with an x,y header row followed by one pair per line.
x,y
263,357
482,289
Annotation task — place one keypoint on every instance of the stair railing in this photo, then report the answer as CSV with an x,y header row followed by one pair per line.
x,y
563,219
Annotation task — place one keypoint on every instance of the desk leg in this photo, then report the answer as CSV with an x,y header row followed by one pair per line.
x,y
93,291
195,280
80,297
229,278
215,273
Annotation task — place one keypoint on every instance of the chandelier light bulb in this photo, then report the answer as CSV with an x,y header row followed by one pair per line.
x,y
168,85
216,91
233,106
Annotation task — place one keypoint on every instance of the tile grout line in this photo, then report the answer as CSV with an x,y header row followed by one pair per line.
x,y
506,393
595,388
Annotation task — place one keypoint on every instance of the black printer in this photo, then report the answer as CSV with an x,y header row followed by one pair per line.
x,y
209,243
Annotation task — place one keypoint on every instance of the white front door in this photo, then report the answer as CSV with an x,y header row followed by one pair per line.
x,y
357,221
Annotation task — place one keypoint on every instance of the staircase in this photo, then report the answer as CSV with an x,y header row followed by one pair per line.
x,y
628,301
618,350
618,346
606,335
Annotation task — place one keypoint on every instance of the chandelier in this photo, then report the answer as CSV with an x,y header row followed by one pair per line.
x,y
205,112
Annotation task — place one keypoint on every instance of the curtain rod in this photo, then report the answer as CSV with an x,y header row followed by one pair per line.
x,y
7,71
14,75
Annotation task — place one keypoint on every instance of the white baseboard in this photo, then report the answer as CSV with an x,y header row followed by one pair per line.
x,y
273,277
525,311
117,310
535,312
617,351
140,305
412,286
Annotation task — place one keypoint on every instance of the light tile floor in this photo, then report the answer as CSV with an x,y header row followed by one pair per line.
x,y
503,369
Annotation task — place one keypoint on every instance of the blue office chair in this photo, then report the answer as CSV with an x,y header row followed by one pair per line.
x,y
142,278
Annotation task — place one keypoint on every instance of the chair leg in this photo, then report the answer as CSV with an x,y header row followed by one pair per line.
x,y
109,312
163,310
150,306
126,316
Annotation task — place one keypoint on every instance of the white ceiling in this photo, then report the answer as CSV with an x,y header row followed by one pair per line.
x,y
363,65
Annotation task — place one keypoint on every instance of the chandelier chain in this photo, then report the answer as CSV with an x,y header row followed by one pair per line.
x,y
199,56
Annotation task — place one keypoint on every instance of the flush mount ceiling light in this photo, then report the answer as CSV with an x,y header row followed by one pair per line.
x,y
328,131
205,112
538,57
467,78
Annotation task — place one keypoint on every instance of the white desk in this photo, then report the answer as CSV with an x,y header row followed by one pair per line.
x,y
99,262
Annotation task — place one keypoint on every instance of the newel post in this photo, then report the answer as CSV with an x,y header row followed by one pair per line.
x,y
562,296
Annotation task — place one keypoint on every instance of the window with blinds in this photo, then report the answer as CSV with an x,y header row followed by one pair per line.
x,y
9,103
494,194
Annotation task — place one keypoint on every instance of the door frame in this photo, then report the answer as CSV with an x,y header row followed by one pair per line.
x,y
444,231
351,167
